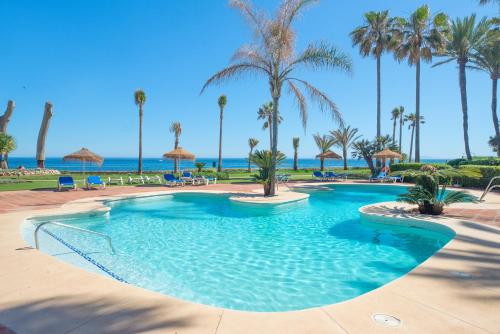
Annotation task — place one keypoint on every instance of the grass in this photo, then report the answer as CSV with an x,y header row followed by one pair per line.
x,y
30,182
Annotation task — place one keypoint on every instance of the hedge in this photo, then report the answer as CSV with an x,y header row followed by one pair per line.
x,y
415,166
487,172
475,162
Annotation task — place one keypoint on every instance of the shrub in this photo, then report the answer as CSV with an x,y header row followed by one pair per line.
x,y
415,166
475,162
485,172
456,162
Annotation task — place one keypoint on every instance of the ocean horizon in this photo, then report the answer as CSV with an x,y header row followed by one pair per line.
x,y
156,164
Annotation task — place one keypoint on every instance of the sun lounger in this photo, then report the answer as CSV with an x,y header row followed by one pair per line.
x,y
317,175
153,179
381,177
139,180
66,182
94,180
331,176
283,178
188,178
395,178
171,180
200,179
118,180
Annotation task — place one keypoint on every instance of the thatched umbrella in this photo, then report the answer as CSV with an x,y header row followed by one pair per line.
x,y
329,155
179,154
387,154
84,156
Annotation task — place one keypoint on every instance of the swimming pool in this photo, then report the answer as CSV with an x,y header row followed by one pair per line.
x,y
208,249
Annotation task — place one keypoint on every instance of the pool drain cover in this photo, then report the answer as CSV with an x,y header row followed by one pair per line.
x,y
460,274
386,320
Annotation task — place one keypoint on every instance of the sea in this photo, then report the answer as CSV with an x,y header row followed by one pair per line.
x,y
155,164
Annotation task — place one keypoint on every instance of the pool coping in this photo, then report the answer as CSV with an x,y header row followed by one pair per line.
x,y
423,300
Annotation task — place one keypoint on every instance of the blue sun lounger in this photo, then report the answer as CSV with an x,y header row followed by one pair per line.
x,y
94,180
171,180
331,176
65,182
317,175
381,177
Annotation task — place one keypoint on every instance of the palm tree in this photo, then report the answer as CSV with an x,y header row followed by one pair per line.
x,y
374,38
344,137
222,104
401,122
417,38
176,129
412,118
465,37
487,59
364,149
273,55
395,115
140,99
252,142
324,144
266,113
7,145
295,142
264,160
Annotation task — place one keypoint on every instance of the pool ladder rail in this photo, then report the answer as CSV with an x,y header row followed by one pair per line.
x,y
490,187
37,243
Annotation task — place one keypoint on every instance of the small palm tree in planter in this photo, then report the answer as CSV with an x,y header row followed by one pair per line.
x,y
264,160
199,166
430,196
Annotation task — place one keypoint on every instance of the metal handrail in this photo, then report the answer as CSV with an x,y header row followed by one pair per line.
x,y
35,234
490,187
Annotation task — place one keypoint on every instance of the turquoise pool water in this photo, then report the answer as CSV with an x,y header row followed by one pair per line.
x,y
206,249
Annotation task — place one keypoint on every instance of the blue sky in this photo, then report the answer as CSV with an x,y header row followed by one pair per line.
x,y
88,57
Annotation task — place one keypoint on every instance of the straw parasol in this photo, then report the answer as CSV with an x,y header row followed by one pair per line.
x,y
84,156
329,155
387,154
179,154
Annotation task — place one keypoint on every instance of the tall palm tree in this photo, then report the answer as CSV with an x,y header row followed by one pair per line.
x,y
222,104
416,39
295,143
252,142
266,113
273,56
412,118
395,115
324,144
7,145
487,59
176,129
140,100
465,37
374,38
401,122
344,137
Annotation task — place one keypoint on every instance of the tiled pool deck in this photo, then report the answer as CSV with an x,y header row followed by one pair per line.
x,y
457,290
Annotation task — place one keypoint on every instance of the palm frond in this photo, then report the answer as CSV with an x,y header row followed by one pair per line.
x,y
322,56
233,71
301,102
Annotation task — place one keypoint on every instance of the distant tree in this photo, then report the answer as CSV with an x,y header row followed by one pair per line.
x,y
324,144
140,100
295,142
344,137
415,40
373,39
7,145
365,149
466,36
222,104
252,142
412,119
395,116
266,113
199,166
176,129
401,122
494,143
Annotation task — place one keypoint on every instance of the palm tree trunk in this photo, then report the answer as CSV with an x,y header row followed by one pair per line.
x,y
295,160
494,111
139,167
322,164
42,135
417,112
274,148
270,121
378,98
394,132
344,153
4,163
219,165
400,132
4,120
249,157
176,161
463,95
411,142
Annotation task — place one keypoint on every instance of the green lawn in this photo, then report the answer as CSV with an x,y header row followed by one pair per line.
x,y
235,176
